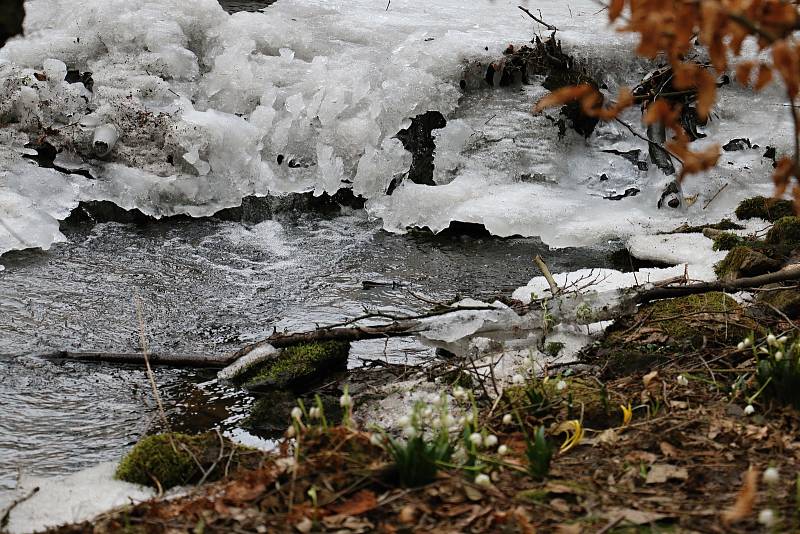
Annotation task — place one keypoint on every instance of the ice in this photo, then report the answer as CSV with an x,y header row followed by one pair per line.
x,y
72,498
308,96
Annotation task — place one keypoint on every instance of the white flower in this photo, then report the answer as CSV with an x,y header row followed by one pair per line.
x,y
462,421
490,441
447,421
747,342
507,419
771,475
427,412
502,450
376,439
778,356
783,339
561,385
749,410
483,480
517,379
766,516
404,421
459,393
297,413
771,339
410,432
314,413
345,401
290,432
740,346
476,439
683,381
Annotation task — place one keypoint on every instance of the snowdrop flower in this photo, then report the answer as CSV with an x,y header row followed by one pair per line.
x,y
459,393
783,339
766,516
410,432
771,339
314,413
427,412
507,419
502,450
483,480
747,342
462,421
778,356
561,385
297,413
404,421
683,381
376,439
517,379
490,441
345,401
448,421
771,475
290,432
740,346
749,410
476,439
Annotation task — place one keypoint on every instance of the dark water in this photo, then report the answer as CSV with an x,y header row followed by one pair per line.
x,y
206,286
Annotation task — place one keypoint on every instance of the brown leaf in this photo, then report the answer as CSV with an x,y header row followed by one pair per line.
x,y
744,499
743,71
361,502
563,96
659,473
763,78
242,491
637,517
668,450
408,514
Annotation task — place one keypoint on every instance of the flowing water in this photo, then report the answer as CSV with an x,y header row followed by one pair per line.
x,y
206,286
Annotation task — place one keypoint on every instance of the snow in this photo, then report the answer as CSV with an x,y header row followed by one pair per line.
x,y
72,498
207,104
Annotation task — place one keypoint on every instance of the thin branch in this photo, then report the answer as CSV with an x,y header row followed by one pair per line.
x,y
537,19
554,289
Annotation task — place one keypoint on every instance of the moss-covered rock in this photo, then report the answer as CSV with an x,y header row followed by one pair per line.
x,y
785,300
174,459
785,234
298,365
743,261
769,209
727,241
724,225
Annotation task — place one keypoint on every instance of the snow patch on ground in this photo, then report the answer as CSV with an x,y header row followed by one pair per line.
x,y
72,498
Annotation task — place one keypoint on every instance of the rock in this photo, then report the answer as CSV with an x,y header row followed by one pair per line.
x,y
11,17
785,234
175,459
296,367
672,196
725,240
418,139
735,145
769,209
744,261
785,300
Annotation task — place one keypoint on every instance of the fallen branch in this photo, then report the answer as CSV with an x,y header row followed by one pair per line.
x,y
540,21
172,360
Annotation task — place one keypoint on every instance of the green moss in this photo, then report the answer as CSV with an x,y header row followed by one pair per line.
x,y
674,316
769,209
744,261
785,233
298,363
724,224
172,459
553,348
727,241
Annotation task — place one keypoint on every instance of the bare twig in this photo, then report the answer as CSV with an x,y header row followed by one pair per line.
x,y
554,290
537,19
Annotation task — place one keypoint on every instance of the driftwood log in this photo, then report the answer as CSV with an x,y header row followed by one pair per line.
x,y
402,327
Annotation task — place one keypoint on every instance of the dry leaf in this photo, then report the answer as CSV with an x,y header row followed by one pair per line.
x,y
304,525
641,456
668,450
563,96
649,377
361,502
408,514
637,517
659,473
745,499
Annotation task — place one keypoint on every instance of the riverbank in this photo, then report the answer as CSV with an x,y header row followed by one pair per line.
x,y
676,433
